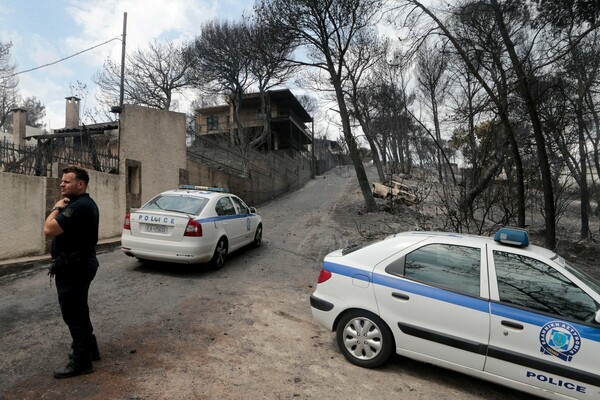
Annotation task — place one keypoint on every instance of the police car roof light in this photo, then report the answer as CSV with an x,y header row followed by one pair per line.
x,y
209,188
512,236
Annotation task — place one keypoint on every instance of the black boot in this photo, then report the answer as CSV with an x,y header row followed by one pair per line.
x,y
93,348
71,369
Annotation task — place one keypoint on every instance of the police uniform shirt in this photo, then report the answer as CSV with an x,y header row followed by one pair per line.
x,y
79,222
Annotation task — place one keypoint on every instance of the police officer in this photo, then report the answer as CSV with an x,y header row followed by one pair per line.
x,y
73,226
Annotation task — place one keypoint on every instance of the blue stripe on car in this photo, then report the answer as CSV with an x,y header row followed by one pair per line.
x,y
501,310
224,217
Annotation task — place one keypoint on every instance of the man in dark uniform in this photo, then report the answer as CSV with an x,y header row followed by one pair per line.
x,y
73,225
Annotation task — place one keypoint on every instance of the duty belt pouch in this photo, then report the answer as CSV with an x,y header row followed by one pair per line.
x,y
64,262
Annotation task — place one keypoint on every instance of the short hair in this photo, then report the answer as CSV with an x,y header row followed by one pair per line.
x,y
80,173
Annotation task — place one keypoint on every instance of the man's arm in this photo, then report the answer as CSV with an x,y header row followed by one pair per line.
x,y
51,226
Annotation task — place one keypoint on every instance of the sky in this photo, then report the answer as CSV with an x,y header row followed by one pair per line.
x,y
45,31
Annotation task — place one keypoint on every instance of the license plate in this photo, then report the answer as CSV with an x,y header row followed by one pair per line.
x,y
155,228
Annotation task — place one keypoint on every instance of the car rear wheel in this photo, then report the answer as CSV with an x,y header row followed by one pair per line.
x,y
364,339
257,237
218,259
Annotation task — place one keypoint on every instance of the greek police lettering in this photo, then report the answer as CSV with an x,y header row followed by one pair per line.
x,y
556,382
153,218
560,339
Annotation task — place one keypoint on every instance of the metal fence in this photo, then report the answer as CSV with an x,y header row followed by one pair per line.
x,y
40,158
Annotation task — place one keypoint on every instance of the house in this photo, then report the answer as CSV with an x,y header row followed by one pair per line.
x,y
287,117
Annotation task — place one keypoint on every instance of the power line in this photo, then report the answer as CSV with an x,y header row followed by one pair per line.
x,y
61,60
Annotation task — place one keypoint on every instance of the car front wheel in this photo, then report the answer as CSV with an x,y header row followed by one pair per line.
x,y
257,237
218,259
364,339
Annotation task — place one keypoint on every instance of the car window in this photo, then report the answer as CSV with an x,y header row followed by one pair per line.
x,y
530,283
178,203
241,206
448,266
225,207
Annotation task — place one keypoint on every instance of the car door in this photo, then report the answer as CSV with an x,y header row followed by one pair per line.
x,y
542,328
434,298
248,223
228,221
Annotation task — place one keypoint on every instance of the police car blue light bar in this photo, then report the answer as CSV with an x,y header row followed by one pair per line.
x,y
209,188
513,236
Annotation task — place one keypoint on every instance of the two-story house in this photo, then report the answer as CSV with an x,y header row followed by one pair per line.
x,y
288,121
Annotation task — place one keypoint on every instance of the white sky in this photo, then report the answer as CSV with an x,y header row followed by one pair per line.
x,y
45,31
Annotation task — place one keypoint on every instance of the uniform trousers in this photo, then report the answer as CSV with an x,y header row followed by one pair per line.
x,y
72,286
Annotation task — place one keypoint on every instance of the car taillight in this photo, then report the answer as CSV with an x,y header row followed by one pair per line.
x,y
323,276
193,228
127,222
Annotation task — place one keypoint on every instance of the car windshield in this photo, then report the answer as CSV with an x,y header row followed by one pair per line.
x,y
586,278
183,204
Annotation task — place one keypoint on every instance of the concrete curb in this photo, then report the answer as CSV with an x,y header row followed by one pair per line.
x,y
26,264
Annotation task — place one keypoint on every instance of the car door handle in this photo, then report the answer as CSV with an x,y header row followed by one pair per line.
x,y
400,296
513,325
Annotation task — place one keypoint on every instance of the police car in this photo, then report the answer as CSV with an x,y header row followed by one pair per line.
x,y
193,224
497,308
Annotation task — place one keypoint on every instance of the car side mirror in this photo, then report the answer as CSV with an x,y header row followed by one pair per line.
x,y
597,317
253,210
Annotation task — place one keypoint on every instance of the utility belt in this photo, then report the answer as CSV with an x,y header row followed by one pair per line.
x,y
66,261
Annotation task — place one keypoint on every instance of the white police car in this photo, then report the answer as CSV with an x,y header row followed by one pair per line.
x,y
500,310
193,224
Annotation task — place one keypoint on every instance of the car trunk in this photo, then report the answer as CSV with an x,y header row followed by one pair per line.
x,y
158,224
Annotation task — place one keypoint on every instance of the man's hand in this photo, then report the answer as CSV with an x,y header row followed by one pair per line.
x,y
51,227
62,203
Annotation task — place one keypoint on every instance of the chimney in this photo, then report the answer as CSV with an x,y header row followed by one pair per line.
x,y
72,112
19,120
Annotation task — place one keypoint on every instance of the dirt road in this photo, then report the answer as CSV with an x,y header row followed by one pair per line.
x,y
246,331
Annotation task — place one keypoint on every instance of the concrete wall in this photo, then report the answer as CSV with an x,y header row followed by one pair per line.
x,y
155,139
23,204
27,200
106,191
260,186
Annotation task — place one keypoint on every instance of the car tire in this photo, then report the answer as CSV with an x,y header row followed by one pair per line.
x,y
364,339
218,259
257,237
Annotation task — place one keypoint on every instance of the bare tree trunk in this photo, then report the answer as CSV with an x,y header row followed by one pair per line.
x,y
359,168
376,158
583,184
530,104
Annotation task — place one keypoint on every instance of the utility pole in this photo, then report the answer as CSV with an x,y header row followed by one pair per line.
x,y
122,89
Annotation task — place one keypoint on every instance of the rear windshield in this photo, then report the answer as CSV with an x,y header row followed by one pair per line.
x,y
177,203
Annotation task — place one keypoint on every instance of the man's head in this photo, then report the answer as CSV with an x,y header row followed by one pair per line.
x,y
74,181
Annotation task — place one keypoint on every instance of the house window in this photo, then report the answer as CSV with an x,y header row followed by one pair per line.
x,y
212,123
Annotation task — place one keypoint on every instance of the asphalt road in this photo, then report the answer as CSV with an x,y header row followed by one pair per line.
x,y
182,332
